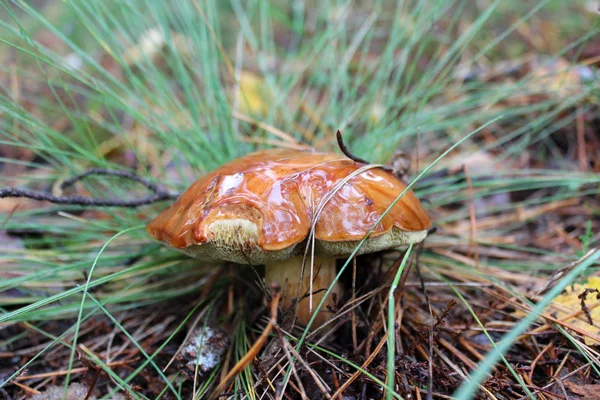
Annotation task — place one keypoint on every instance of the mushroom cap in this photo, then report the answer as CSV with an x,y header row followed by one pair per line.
x,y
260,207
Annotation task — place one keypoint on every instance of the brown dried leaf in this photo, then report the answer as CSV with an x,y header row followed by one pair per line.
x,y
588,392
570,302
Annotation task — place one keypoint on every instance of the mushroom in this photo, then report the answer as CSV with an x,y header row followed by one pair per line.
x,y
259,209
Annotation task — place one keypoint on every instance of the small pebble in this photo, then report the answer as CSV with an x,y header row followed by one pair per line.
x,y
204,348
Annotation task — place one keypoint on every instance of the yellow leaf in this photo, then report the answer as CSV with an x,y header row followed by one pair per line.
x,y
570,303
253,94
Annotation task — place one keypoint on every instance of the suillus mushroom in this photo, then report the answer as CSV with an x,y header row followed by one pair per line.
x,y
260,208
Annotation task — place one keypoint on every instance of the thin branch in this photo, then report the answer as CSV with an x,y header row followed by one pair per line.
x,y
82,200
157,195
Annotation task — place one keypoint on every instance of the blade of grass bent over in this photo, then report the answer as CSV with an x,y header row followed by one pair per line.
x,y
83,297
467,389
168,383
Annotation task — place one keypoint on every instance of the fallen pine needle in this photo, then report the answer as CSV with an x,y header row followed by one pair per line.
x,y
73,371
27,388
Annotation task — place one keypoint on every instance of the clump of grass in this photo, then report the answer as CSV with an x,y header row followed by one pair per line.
x,y
171,90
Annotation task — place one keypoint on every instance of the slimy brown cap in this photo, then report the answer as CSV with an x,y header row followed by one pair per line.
x,y
259,207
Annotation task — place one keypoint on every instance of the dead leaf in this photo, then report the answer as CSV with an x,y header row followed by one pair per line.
x,y
570,302
253,94
588,392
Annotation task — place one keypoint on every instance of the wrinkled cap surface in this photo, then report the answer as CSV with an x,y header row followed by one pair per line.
x,y
260,208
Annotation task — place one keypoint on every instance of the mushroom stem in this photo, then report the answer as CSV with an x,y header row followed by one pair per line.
x,y
287,274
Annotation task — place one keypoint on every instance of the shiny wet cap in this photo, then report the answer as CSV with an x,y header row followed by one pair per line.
x,y
259,208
